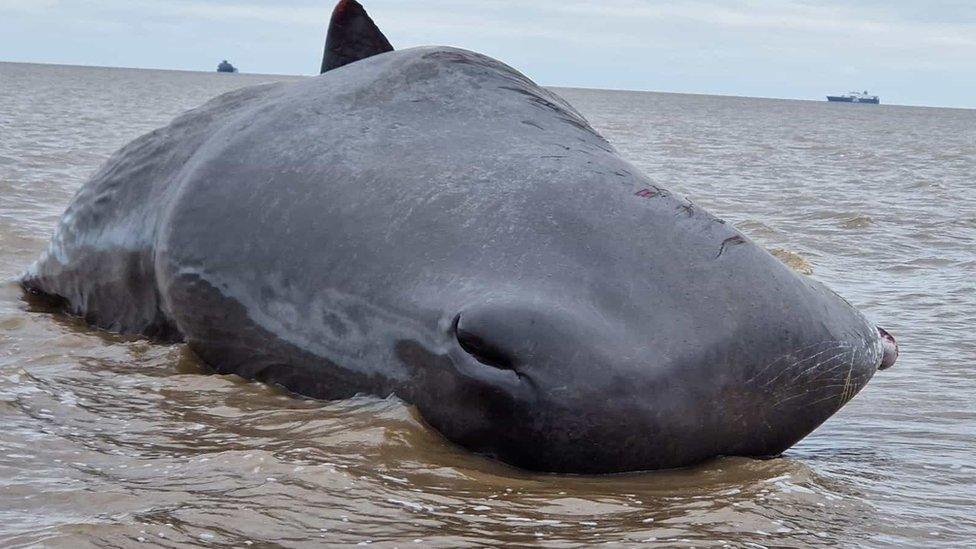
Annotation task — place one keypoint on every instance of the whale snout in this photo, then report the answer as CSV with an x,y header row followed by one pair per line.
x,y
566,387
890,349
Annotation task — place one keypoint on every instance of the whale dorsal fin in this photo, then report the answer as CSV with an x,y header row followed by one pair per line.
x,y
352,36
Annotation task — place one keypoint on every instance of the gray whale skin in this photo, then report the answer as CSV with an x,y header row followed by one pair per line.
x,y
431,224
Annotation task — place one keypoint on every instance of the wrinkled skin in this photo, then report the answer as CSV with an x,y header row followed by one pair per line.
x,y
430,223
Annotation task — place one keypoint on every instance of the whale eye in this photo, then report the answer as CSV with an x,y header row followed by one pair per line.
x,y
481,349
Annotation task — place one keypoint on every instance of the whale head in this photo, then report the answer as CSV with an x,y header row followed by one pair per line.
x,y
744,359
582,318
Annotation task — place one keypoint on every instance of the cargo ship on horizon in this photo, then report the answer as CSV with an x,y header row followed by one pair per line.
x,y
855,97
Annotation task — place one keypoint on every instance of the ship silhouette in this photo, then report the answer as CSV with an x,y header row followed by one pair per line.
x,y
225,66
855,97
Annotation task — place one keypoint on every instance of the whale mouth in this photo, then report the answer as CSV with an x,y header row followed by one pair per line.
x,y
890,355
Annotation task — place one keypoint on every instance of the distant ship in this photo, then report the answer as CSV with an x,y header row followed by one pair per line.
x,y
224,66
855,97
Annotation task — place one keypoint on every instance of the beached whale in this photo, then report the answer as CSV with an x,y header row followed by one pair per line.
x,y
430,223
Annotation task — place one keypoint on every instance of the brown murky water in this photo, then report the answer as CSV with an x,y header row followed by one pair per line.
x,y
110,441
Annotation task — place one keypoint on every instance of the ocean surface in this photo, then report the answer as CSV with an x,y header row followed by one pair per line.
x,y
108,441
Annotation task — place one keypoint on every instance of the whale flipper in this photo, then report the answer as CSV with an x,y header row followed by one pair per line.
x,y
352,36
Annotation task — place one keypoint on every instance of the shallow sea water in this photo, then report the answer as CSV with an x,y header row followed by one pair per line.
x,y
109,441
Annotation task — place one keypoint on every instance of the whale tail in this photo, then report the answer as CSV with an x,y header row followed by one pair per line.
x,y
352,36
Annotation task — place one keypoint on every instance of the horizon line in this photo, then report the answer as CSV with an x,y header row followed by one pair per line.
x,y
562,86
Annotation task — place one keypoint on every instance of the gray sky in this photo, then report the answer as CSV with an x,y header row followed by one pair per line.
x,y
918,52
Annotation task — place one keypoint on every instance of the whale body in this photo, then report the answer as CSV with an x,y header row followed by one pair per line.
x,y
431,224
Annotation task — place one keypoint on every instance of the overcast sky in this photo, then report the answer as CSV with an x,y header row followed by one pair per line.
x,y
918,52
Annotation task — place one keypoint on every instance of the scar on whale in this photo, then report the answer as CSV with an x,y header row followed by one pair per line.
x,y
728,243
